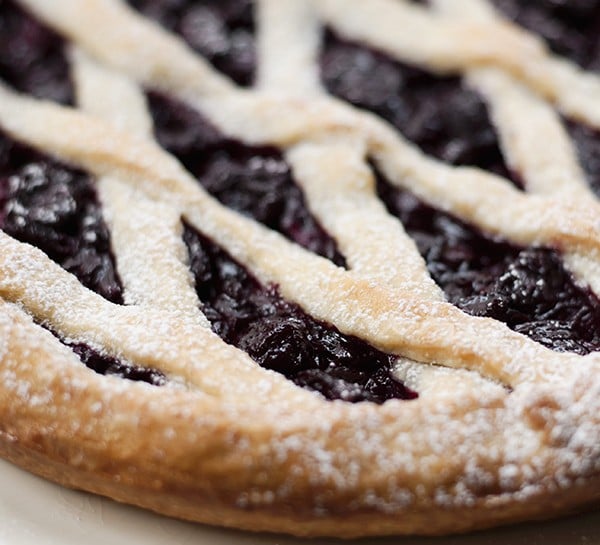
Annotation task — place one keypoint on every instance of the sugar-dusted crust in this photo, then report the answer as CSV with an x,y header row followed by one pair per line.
x,y
503,430
259,462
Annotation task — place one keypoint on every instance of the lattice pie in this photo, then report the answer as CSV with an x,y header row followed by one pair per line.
x,y
321,267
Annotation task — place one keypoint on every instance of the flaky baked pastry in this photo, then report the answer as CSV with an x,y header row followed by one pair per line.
x,y
317,267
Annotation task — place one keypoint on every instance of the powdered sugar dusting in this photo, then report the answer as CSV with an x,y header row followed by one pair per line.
x,y
505,422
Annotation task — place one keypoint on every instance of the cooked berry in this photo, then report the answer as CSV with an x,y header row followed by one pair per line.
x,y
587,144
537,296
570,27
222,31
54,207
528,289
278,335
106,365
32,57
439,114
253,180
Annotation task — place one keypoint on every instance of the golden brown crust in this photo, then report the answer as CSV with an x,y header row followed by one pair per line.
x,y
506,431
200,480
183,504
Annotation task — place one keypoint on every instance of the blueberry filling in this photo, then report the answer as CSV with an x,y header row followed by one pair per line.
x,y
587,144
280,336
222,31
53,206
526,288
255,181
106,365
571,28
439,114
32,57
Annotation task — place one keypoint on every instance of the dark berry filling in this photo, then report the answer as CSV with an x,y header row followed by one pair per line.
x,y
526,288
587,144
439,114
570,27
32,57
53,206
107,365
280,336
255,181
222,31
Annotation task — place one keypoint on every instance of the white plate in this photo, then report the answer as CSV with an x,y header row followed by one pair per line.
x,y
34,512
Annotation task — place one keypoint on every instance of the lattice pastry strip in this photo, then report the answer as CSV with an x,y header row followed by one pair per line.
x,y
394,320
142,335
99,86
548,165
538,419
463,43
340,188
333,172
147,236
266,119
288,42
